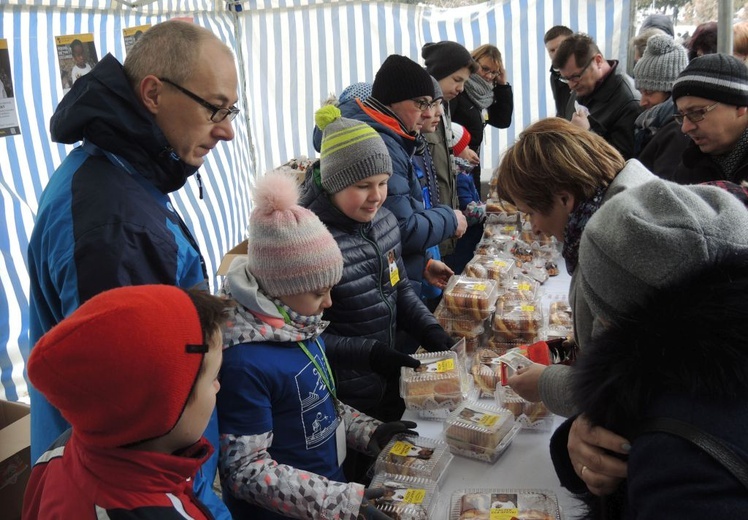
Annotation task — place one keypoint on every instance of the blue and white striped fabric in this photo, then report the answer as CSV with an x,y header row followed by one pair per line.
x,y
292,54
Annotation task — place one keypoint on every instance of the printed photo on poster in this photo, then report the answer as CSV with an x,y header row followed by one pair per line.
x,y
76,54
131,35
8,116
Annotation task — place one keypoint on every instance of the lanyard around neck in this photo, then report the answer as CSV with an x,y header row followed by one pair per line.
x,y
326,377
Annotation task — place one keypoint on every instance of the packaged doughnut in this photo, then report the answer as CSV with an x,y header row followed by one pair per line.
x,y
458,325
490,267
520,288
517,321
471,296
439,382
405,498
486,371
531,416
504,504
480,431
414,456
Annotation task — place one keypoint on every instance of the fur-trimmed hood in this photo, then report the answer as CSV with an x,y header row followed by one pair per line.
x,y
687,340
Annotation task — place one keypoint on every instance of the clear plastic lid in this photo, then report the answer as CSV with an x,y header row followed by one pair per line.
x,y
504,504
490,267
405,498
520,288
458,325
414,456
531,416
517,321
495,205
522,252
486,371
437,383
472,297
479,430
494,230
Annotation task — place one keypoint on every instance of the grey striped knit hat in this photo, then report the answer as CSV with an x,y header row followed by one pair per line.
x,y
717,77
660,65
351,150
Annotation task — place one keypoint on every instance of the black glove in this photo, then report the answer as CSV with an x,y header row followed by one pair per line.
x,y
367,511
387,361
435,339
386,431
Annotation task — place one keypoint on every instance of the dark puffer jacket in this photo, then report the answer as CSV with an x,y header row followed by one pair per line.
x,y
420,228
366,307
696,167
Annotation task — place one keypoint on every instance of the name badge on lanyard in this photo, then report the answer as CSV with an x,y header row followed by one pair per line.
x,y
392,266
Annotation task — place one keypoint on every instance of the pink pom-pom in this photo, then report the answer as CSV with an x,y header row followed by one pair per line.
x,y
275,191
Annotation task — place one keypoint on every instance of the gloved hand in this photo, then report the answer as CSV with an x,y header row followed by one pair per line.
x,y
385,431
387,361
367,511
435,339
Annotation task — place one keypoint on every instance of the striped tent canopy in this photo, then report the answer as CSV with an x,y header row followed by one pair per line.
x,y
291,55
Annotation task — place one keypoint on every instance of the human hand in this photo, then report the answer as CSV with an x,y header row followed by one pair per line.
x,y
587,445
470,156
526,382
461,223
387,361
437,273
500,78
475,212
367,511
435,339
385,431
581,119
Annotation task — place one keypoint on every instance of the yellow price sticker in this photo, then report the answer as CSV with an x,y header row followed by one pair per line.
x,y
401,448
499,263
524,287
488,419
414,496
446,365
504,513
527,308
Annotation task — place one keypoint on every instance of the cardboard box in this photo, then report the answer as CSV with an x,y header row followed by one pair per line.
x,y
15,456
241,249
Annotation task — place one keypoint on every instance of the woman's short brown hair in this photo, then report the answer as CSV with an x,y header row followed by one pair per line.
x,y
551,156
488,51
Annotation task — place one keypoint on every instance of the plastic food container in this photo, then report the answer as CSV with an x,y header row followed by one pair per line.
x,y
488,267
405,498
521,288
480,431
517,321
438,383
471,297
414,456
457,324
560,324
486,371
504,504
531,416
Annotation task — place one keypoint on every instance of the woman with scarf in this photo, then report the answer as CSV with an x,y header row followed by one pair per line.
x,y
486,99
658,140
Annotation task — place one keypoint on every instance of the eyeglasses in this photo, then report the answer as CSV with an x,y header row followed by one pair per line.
x,y
425,104
488,72
695,115
576,77
217,115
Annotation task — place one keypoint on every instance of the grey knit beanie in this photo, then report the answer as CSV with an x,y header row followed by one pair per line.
x,y
660,65
652,237
717,77
437,88
351,150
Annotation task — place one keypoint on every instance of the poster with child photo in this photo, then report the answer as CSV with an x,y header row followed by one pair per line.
x,y
131,35
76,54
8,116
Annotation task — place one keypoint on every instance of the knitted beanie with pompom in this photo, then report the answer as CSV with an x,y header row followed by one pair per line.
x,y
290,250
660,65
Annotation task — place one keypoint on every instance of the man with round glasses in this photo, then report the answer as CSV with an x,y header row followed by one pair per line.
x,y
602,87
711,95
105,219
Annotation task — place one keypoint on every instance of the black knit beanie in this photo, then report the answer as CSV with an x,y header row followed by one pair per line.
x,y
400,78
444,58
717,77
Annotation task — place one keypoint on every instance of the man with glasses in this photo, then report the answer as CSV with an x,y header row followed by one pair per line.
x,y
401,102
610,101
711,95
105,219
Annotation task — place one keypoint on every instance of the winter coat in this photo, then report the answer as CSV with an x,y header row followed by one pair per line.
x,y
680,361
278,415
465,113
696,167
663,153
105,220
366,307
420,228
74,480
560,91
614,107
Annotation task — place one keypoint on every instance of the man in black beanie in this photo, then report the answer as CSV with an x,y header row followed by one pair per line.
x,y
402,98
711,94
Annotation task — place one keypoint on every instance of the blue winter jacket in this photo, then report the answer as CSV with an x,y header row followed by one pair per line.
x,y
105,220
420,228
367,309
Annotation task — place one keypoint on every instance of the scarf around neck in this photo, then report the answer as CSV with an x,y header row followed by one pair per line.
x,y
479,91
577,222
730,161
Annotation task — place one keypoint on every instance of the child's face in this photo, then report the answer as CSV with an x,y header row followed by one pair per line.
x,y
431,123
79,56
309,303
194,419
362,200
